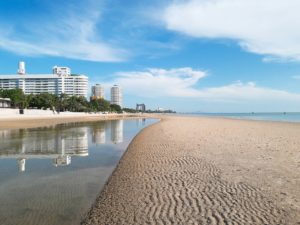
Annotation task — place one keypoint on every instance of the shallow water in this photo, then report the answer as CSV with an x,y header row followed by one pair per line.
x,y
52,175
284,116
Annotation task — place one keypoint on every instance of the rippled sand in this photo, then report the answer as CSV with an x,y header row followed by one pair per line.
x,y
205,171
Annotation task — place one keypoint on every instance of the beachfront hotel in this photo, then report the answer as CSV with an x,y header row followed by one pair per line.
x,y
116,95
97,92
60,81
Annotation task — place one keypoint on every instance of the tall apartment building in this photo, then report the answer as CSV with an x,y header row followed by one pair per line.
x,y
116,95
141,107
61,81
97,92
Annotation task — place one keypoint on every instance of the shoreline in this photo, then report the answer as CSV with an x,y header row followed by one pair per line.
x,y
205,170
237,118
33,121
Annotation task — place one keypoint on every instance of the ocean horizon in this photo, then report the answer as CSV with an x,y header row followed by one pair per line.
x,y
264,116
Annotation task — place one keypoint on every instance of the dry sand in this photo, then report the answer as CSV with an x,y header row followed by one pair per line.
x,y
30,121
205,171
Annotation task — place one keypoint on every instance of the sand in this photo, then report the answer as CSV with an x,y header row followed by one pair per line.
x,y
205,171
31,121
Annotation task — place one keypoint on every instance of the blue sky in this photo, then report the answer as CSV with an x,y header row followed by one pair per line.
x,y
194,55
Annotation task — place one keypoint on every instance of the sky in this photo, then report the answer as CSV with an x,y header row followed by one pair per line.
x,y
188,56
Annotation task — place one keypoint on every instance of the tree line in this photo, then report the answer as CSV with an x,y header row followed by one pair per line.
x,y
59,103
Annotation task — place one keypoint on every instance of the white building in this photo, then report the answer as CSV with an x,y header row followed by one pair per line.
x,y
5,103
61,81
61,71
97,92
21,69
116,95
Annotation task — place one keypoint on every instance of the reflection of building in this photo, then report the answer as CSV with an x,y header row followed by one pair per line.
x,y
140,107
117,131
140,122
58,143
98,134
61,81
97,92
116,95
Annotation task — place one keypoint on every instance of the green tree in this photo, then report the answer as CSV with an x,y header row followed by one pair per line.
x,y
16,96
61,102
77,104
97,105
42,101
129,110
115,108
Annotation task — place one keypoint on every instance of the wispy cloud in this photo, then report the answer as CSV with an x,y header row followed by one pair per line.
x,y
183,83
268,27
154,82
68,31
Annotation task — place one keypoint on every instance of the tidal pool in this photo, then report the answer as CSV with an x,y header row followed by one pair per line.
x,y
52,175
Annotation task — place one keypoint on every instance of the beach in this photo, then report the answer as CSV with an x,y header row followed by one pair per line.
x,y
196,170
31,121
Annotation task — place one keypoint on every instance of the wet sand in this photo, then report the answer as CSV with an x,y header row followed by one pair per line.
x,y
205,171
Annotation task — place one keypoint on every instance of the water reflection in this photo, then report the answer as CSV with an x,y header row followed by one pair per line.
x,y
59,143
48,195
140,122
99,133
117,131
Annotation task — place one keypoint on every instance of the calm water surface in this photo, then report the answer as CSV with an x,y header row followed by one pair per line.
x,y
52,175
284,116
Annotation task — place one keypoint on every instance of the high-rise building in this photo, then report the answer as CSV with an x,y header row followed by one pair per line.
x,y
97,92
116,95
141,107
61,81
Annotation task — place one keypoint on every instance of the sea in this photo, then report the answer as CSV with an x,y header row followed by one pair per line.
x,y
266,116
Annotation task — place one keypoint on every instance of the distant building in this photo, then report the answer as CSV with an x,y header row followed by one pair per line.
x,y
97,92
140,107
116,95
61,81
5,103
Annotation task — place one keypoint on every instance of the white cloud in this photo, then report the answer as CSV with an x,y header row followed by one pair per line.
x,y
68,31
268,27
155,82
182,83
239,91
